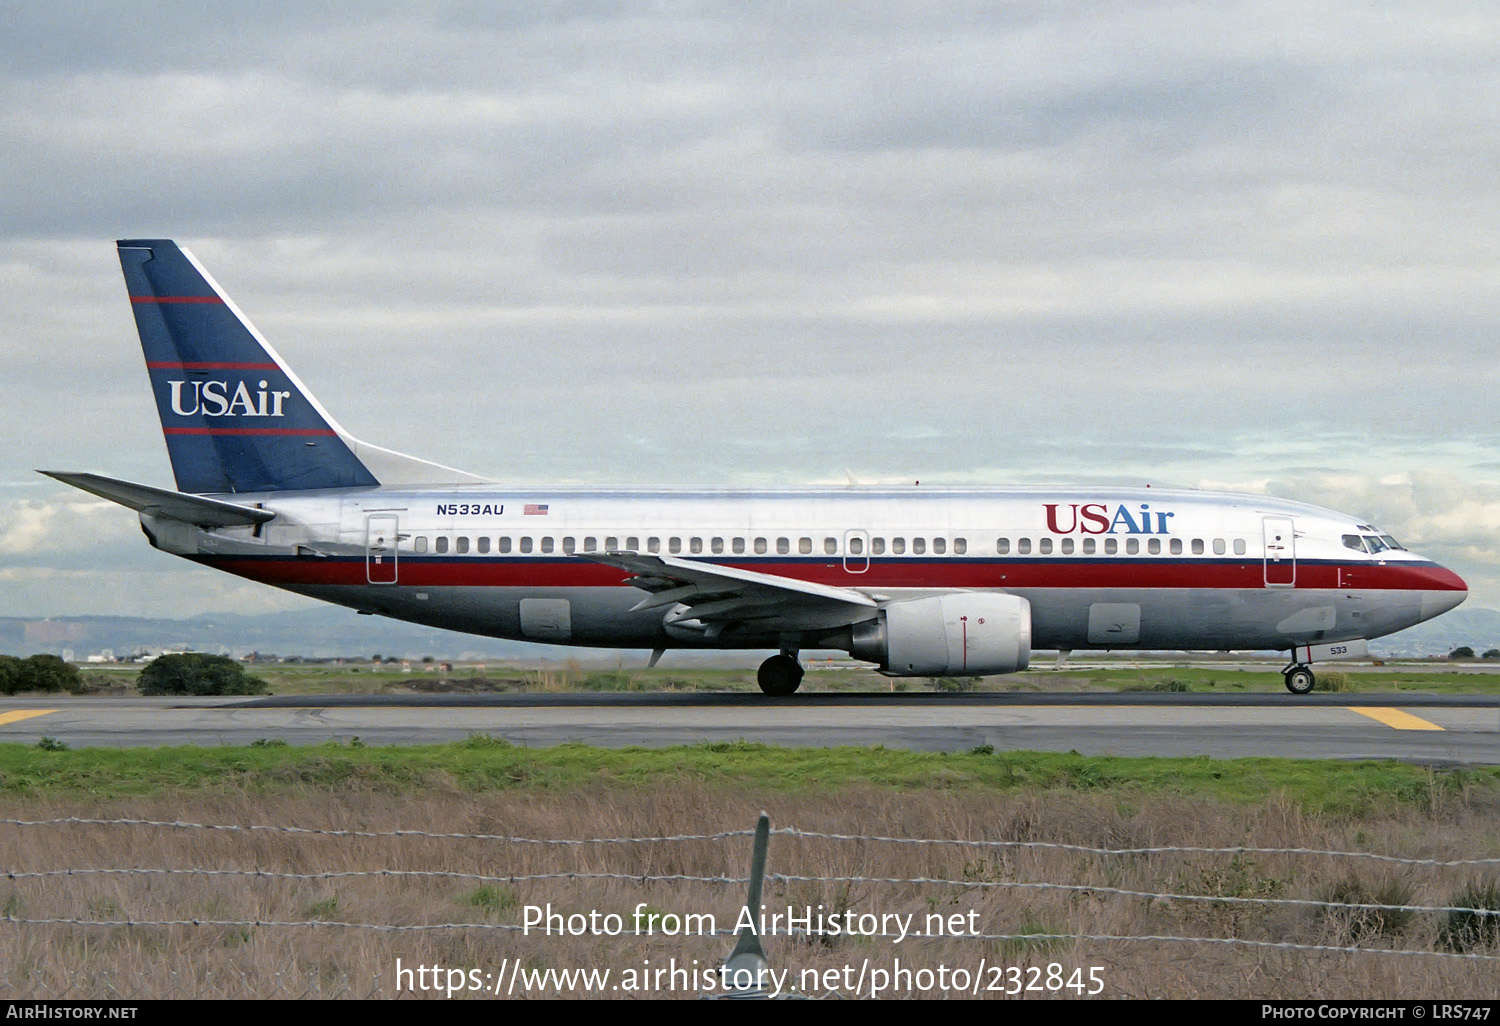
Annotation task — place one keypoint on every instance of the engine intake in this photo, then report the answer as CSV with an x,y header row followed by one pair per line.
x,y
958,635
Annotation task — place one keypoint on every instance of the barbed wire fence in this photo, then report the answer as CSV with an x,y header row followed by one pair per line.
x,y
15,919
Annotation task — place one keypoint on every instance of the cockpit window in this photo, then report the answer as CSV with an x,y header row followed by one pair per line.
x,y
1352,541
1375,539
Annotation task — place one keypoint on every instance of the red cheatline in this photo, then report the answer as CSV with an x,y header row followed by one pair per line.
x,y
175,299
245,431
562,571
203,365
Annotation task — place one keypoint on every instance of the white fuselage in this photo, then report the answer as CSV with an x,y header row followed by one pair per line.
x,y
1119,569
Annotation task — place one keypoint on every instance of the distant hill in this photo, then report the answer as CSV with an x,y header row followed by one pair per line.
x,y
333,631
321,632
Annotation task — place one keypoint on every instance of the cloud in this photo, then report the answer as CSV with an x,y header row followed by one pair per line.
x,y
33,528
728,244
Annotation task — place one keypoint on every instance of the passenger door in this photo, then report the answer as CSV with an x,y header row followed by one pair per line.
x,y
1280,552
380,547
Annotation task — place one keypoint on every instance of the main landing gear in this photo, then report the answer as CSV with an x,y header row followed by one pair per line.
x,y
780,674
1299,679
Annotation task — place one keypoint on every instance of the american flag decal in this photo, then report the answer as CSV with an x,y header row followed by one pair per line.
x,y
534,510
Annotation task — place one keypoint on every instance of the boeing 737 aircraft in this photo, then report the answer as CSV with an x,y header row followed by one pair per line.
x,y
920,581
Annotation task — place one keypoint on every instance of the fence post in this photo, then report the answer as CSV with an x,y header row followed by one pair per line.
x,y
747,962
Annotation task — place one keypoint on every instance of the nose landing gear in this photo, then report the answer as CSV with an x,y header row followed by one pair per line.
x,y
1299,679
780,675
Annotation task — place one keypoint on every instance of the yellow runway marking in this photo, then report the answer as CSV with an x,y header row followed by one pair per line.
x,y
22,714
1395,718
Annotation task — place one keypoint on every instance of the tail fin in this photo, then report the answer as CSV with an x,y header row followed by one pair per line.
x,y
236,418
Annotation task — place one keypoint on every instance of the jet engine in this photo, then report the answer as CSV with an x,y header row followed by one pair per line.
x,y
957,635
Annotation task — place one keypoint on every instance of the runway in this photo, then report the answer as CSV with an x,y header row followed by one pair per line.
x,y
1436,729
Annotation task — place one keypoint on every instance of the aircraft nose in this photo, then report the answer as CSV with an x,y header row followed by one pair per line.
x,y
1448,593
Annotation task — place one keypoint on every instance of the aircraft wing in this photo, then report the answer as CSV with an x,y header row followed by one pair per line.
x,y
190,509
717,596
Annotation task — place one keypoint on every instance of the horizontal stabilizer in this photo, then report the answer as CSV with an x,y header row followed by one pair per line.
x,y
190,509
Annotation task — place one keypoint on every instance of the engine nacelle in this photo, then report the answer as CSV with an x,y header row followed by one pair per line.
x,y
959,635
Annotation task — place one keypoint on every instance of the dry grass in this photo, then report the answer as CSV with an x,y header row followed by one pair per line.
x,y
209,961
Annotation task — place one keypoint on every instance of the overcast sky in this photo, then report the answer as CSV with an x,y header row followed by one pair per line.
x,y
1197,244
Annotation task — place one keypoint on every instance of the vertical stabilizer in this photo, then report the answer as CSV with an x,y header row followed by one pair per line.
x,y
235,417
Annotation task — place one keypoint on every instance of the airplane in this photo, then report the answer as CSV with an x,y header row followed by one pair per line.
x,y
920,581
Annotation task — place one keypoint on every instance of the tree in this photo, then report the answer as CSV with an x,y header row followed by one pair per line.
x,y
1461,652
38,673
10,675
195,673
1493,653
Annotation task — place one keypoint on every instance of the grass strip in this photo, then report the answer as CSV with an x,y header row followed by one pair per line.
x,y
482,763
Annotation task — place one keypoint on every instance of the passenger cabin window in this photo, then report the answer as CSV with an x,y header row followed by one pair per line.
x,y
830,546
1045,546
420,545
960,546
484,544
653,544
441,545
804,546
505,544
939,545
1197,546
1088,546
856,546
877,546
590,544
1239,546
1132,546
547,544
898,546
1154,546
695,545
738,546
1218,546
783,546
760,546
1111,546
525,544
918,546
674,545
1023,546
1176,546
1067,546
717,546
461,544
569,545
1002,546
612,544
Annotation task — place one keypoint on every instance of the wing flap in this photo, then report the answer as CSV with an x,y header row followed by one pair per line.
x,y
719,595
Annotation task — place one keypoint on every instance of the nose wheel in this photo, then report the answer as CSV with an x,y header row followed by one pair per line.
x,y
1299,679
779,675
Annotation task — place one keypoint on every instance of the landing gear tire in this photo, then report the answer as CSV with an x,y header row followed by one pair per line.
x,y
1299,680
779,675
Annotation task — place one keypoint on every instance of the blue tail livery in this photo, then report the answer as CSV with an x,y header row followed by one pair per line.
x,y
236,419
